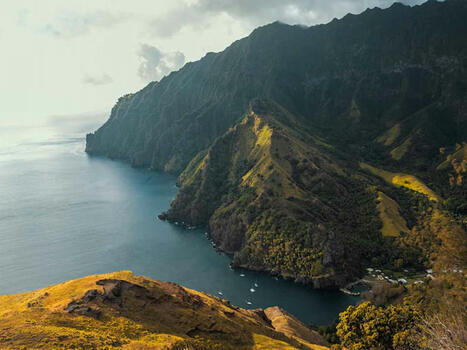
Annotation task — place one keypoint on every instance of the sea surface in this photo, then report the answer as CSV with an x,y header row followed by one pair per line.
x,y
64,215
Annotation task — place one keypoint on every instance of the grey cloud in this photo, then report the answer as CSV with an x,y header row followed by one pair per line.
x,y
155,64
100,80
70,24
259,12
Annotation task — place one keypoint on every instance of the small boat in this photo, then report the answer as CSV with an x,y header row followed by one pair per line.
x,y
242,275
252,290
256,285
220,293
248,302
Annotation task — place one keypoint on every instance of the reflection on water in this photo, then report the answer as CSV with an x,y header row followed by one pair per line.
x,y
65,215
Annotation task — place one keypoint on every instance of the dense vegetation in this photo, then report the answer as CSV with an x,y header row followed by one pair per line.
x,y
280,200
427,315
314,153
360,124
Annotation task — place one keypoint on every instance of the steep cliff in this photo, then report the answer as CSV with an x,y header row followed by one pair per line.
x,y
355,78
312,152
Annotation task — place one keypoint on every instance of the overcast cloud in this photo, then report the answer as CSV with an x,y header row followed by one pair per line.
x,y
258,12
78,56
156,64
103,79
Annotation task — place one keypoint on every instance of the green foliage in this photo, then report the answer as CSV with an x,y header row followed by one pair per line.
x,y
368,327
283,245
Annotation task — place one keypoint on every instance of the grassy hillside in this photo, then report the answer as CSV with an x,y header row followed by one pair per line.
x,y
280,200
389,211
124,311
402,180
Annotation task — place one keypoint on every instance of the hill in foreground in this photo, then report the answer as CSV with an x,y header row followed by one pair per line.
x,y
123,311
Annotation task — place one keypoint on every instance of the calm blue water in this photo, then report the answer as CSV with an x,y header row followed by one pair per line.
x,y
65,215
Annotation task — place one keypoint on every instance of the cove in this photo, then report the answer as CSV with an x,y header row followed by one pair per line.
x,y
65,215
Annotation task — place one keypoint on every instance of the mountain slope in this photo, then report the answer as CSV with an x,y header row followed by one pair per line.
x,y
285,141
121,310
278,199
355,78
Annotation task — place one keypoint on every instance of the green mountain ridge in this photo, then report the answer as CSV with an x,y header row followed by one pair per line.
x,y
291,143
277,199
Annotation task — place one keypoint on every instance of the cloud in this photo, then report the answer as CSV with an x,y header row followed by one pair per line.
x,y
68,24
104,79
155,64
197,14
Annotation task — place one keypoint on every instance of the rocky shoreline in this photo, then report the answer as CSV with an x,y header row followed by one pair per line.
x,y
325,282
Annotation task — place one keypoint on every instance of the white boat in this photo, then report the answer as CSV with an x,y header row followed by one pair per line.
x,y
256,285
220,293
248,302
242,275
252,290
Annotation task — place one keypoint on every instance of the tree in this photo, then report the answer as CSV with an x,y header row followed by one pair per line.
x,y
368,327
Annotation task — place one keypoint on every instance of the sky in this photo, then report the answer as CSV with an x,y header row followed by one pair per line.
x,y
67,60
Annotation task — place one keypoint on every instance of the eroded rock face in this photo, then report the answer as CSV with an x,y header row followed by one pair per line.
x,y
181,296
84,310
113,293
81,306
116,292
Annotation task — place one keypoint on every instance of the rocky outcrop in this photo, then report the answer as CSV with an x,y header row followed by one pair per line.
x,y
121,310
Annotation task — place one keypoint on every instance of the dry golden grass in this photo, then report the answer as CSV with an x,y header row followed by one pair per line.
x,y
393,222
402,180
288,325
398,152
265,343
390,136
38,319
273,148
458,156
